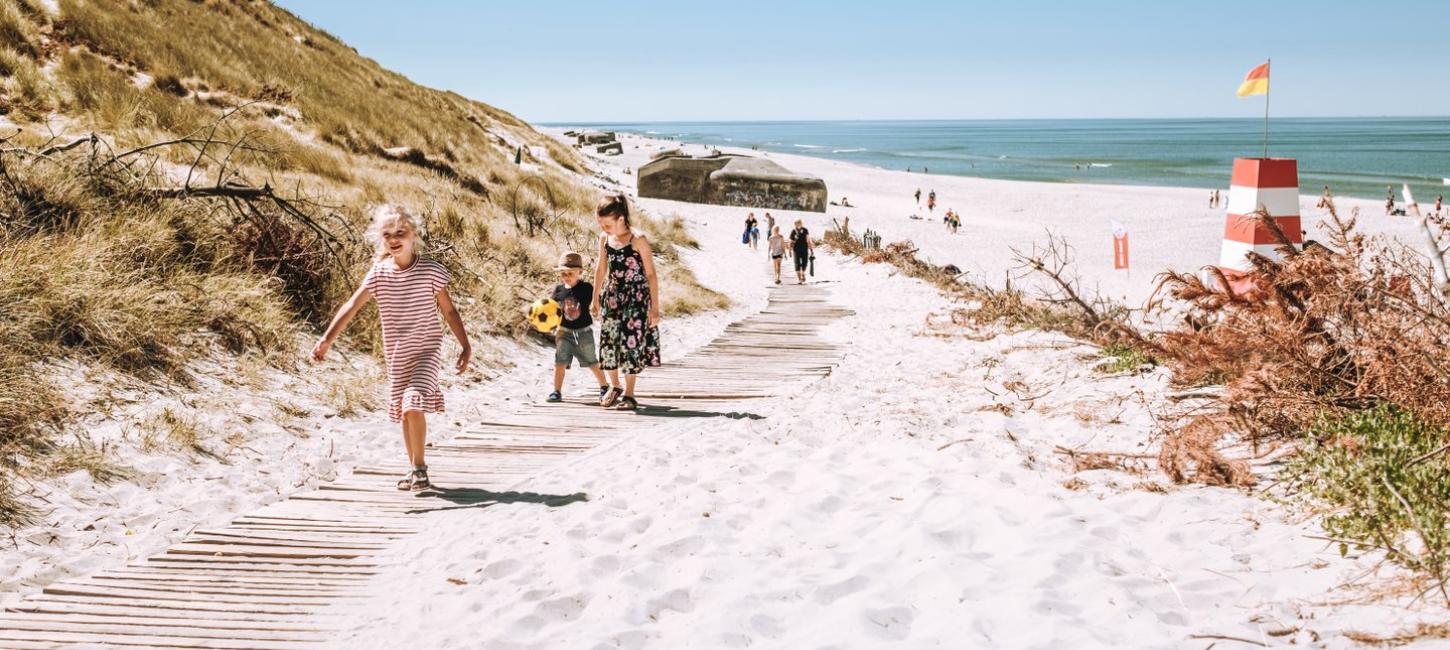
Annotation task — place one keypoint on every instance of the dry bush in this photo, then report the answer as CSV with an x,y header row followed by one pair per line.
x,y
1340,328
1065,310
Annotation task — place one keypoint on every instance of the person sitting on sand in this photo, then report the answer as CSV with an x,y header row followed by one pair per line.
x,y
776,245
846,203
802,250
574,338
411,291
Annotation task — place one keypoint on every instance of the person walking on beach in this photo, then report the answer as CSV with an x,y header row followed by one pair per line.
x,y
802,249
769,224
776,245
918,196
1326,200
626,303
411,291
1439,200
749,237
574,338
1389,200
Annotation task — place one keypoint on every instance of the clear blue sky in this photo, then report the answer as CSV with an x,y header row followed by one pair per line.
x,y
586,60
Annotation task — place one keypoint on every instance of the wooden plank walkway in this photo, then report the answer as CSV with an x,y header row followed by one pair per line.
x,y
268,580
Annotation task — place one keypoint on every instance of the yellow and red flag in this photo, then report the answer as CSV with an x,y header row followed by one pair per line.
x,y
1257,81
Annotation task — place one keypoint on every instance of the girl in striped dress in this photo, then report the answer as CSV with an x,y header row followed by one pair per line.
x,y
411,291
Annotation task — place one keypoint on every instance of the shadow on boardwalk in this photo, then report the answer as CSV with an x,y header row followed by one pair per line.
x,y
476,498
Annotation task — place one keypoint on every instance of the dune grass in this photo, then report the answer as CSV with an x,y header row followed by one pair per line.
x,y
97,269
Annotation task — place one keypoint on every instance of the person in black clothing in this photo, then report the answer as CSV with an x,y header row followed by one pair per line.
x,y
802,249
751,236
574,339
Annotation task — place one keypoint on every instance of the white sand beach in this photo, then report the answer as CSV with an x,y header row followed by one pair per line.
x,y
912,499
1169,228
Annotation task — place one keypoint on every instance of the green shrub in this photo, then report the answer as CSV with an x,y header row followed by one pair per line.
x,y
1119,358
1384,478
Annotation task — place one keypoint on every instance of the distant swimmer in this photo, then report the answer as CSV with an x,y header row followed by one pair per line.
x,y
924,170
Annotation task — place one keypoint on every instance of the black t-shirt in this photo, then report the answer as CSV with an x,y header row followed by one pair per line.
x,y
575,301
750,224
800,241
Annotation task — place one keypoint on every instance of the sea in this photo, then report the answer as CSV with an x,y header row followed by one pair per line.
x,y
1354,156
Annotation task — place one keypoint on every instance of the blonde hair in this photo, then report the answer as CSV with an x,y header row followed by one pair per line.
x,y
386,215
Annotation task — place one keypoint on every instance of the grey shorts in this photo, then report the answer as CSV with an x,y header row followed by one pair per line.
x,y
575,344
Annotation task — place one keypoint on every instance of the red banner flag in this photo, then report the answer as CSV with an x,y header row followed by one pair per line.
x,y
1120,246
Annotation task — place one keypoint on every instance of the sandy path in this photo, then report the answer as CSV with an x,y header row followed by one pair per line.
x,y
911,499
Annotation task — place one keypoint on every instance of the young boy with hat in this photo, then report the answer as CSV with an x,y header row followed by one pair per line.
x,y
575,337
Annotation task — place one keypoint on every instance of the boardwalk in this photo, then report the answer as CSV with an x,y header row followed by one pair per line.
x,y
269,580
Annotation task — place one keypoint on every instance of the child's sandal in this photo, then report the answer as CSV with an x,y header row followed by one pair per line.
x,y
415,480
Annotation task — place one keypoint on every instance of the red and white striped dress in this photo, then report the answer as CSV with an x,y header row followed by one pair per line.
x,y
412,334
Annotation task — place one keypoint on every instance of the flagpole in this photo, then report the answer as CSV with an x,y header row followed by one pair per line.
x,y
1266,106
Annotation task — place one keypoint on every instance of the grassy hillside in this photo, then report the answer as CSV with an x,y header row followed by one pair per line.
x,y
218,209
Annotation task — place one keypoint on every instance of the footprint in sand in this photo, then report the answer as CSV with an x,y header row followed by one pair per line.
x,y
830,505
604,565
766,626
892,623
567,608
631,640
781,478
640,524
831,593
678,600
501,569
683,547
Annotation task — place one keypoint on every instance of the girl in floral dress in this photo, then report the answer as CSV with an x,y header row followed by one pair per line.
x,y
411,292
625,303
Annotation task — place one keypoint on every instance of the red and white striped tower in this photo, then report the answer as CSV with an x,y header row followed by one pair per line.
x,y
1270,184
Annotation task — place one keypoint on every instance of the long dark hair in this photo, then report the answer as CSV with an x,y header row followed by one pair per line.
x,y
614,206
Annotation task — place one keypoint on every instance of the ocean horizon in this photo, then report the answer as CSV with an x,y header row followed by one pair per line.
x,y
1354,156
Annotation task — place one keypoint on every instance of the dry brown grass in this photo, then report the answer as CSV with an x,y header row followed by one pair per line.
x,y
100,268
1334,329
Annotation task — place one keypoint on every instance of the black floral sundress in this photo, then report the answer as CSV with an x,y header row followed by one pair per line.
x,y
626,340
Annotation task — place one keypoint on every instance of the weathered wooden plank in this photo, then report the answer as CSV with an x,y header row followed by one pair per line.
x,y
141,596
147,641
153,621
163,628
261,581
